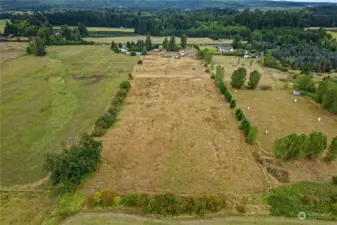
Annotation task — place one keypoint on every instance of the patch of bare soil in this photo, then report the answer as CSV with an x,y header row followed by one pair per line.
x,y
176,134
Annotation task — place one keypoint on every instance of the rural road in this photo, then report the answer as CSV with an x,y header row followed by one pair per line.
x,y
124,219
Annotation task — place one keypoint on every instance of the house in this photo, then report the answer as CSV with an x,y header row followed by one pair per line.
x,y
246,56
124,50
296,92
225,48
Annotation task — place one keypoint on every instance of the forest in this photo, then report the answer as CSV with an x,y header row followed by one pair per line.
x,y
281,31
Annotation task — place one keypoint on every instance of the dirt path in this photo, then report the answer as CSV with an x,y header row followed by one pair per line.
x,y
27,187
123,219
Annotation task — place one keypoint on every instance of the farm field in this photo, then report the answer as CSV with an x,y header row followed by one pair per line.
x,y
11,50
157,40
27,208
126,30
121,219
175,134
277,112
46,100
270,77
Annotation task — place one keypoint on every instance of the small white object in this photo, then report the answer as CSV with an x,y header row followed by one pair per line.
x,y
248,107
319,118
295,100
266,132
235,91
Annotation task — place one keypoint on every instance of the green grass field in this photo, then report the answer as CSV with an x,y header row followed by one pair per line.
x,y
18,208
42,104
333,33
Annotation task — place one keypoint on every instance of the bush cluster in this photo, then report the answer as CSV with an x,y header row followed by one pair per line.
x,y
109,118
294,146
68,168
164,204
239,114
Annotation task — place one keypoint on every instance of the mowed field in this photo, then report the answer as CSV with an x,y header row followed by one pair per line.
x,y
46,100
11,50
176,134
156,40
277,112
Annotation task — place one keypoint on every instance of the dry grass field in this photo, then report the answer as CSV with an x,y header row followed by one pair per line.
x,y
11,50
277,112
157,40
270,77
176,134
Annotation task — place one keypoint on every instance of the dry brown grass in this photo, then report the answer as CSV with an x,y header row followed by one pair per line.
x,y
11,50
176,134
270,77
277,112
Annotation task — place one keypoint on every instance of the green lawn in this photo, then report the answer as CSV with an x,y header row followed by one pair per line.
x,y
42,105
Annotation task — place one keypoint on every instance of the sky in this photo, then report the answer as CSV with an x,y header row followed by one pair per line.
x,y
312,1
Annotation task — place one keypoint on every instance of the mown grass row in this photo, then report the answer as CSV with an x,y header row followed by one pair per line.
x,y
248,129
110,117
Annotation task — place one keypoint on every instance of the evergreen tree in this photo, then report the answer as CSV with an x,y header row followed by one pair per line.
x,y
148,42
239,78
166,44
172,43
183,41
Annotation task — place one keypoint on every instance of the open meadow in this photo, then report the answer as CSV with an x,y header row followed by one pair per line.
x,y
46,100
156,40
176,134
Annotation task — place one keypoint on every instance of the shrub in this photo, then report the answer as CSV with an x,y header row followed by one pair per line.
x,y
133,54
212,76
316,145
291,147
332,151
69,204
207,70
130,76
233,103
252,135
125,85
140,62
239,114
144,52
222,87
68,168
334,180
105,121
241,208
205,64
245,126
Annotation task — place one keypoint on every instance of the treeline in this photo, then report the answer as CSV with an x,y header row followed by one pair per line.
x,y
197,23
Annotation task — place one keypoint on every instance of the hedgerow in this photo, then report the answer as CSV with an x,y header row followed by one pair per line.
x,y
163,204
239,114
109,118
